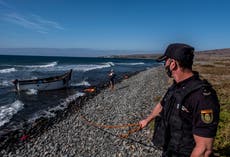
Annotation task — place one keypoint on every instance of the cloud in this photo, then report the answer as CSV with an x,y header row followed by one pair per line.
x,y
31,21
22,21
47,23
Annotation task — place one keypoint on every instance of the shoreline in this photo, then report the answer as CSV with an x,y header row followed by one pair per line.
x,y
10,137
131,101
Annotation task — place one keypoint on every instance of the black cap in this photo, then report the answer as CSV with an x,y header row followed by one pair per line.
x,y
178,51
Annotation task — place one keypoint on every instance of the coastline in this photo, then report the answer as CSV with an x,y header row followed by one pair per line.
x,y
131,101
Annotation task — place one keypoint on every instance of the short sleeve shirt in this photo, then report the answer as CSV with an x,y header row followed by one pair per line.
x,y
201,108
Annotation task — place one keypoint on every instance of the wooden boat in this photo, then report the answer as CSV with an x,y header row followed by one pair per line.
x,y
50,83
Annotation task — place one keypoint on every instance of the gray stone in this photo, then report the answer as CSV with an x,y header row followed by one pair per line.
x,y
131,101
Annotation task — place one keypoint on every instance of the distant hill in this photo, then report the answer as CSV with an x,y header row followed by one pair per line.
x,y
139,56
156,55
85,52
71,52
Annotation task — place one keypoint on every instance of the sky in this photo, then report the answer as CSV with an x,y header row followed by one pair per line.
x,y
143,25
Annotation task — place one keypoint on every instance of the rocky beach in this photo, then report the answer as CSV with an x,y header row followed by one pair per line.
x,y
75,135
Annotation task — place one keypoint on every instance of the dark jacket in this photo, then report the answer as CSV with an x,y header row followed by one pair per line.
x,y
189,107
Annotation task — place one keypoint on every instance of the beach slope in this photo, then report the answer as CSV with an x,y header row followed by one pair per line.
x,y
131,101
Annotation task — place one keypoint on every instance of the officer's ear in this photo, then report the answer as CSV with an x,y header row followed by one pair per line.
x,y
174,65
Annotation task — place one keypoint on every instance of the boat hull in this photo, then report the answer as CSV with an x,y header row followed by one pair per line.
x,y
51,83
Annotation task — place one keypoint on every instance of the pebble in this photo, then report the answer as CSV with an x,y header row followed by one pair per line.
x,y
131,101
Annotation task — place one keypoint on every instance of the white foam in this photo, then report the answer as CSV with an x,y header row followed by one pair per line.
x,y
42,113
6,83
48,65
83,83
61,106
138,63
91,67
48,114
71,98
80,67
7,111
32,92
8,70
110,63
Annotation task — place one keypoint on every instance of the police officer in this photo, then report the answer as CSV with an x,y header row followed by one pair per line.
x,y
186,119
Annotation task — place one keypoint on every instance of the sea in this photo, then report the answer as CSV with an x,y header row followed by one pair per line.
x,y
27,106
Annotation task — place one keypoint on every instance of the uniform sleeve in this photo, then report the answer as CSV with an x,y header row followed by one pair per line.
x,y
205,113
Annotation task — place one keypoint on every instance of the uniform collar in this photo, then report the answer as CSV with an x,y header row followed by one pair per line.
x,y
182,83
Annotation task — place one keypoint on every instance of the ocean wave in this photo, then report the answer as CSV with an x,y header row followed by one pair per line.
x,y
138,63
32,92
8,70
41,113
79,67
110,63
90,67
51,112
48,65
5,83
7,111
71,98
83,83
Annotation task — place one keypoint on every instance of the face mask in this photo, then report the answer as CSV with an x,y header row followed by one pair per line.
x,y
168,71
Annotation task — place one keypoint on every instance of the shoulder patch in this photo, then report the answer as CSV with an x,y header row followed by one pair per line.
x,y
207,116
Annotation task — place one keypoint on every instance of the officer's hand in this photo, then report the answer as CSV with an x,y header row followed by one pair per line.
x,y
143,123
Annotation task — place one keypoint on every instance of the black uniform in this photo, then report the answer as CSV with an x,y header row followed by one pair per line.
x,y
190,108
